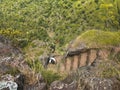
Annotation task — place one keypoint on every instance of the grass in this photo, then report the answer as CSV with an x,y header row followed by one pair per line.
x,y
48,75
96,38
51,76
32,53
108,69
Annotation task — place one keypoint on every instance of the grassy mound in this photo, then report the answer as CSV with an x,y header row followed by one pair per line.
x,y
96,38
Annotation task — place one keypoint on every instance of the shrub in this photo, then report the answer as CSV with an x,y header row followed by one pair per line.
x,y
17,37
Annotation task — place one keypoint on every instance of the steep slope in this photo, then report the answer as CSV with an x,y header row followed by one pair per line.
x,y
88,47
98,63
69,18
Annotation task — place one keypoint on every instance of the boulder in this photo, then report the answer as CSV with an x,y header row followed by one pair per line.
x,y
7,83
89,78
59,85
10,57
22,85
14,71
95,83
20,80
37,86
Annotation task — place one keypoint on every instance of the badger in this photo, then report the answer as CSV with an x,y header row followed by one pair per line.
x,y
46,60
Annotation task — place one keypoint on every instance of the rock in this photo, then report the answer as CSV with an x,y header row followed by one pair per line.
x,y
10,56
38,86
7,83
22,85
12,63
59,85
76,50
91,77
20,80
90,80
95,83
18,83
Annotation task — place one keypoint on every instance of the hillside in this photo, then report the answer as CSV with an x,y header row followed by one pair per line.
x,y
31,29
58,21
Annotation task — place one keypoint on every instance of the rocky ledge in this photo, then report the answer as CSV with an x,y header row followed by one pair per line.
x,y
100,75
90,78
13,69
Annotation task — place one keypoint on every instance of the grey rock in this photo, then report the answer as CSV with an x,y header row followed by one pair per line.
x,y
59,85
7,83
95,83
38,86
10,56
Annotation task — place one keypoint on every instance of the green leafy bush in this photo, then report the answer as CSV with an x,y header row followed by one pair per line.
x,y
17,37
64,18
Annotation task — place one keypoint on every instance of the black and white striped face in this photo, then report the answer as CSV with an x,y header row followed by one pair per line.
x,y
52,60
47,60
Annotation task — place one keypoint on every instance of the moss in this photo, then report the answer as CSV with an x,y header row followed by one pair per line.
x,y
96,38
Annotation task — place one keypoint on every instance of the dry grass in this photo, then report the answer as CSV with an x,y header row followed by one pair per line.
x,y
31,77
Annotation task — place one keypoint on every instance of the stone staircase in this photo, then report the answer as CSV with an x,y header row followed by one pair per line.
x,y
84,57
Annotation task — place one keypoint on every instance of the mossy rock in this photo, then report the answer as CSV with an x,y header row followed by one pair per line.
x,y
97,38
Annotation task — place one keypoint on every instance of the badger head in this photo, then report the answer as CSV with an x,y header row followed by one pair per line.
x,y
52,60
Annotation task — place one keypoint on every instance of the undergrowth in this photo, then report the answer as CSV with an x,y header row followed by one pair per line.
x,y
48,75
109,68
17,37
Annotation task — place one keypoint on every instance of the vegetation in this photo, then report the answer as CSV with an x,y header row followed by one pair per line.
x,y
48,75
28,23
59,21
18,38
97,38
32,54
109,69
13,71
